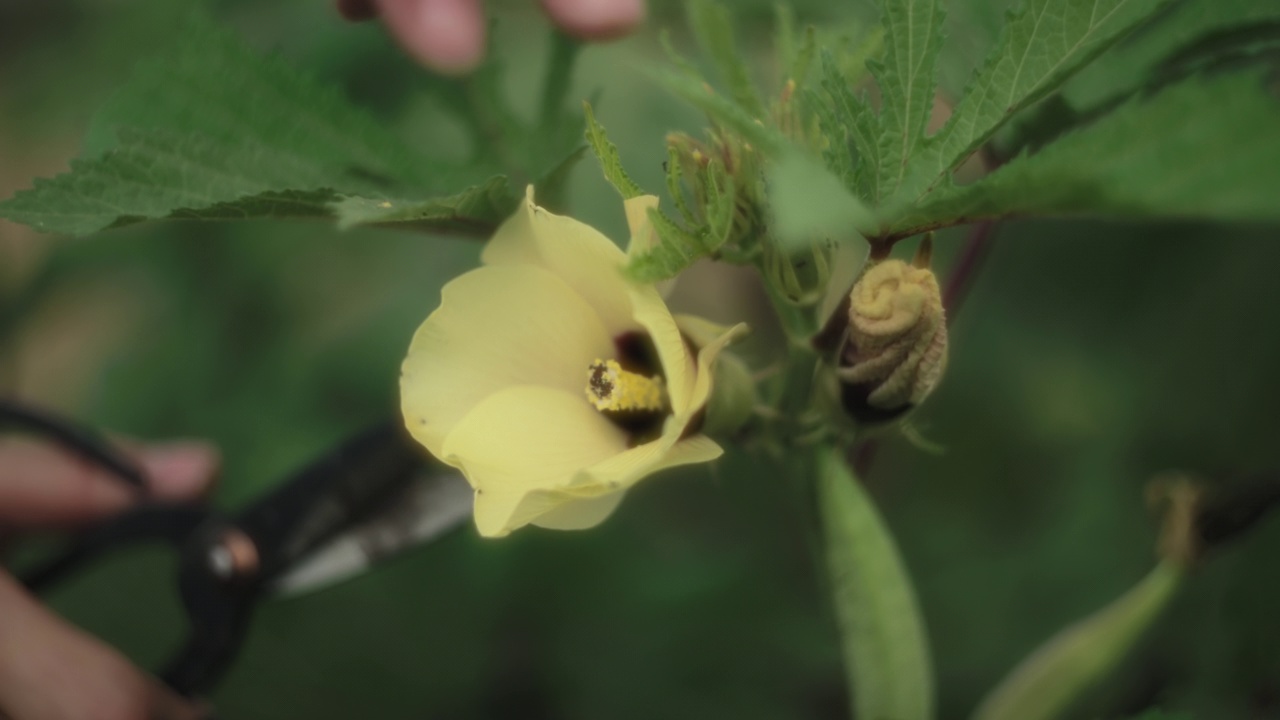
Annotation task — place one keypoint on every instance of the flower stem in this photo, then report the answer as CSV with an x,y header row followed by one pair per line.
x,y
794,390
555,84
976,247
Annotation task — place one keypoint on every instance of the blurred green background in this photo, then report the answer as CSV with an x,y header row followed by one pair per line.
x,y
1087,358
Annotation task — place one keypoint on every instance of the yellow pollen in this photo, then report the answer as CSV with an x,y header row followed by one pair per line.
x,y
609,387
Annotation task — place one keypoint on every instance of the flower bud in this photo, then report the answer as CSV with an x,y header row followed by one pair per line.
x,y
705,168
895,348
733,393
733,397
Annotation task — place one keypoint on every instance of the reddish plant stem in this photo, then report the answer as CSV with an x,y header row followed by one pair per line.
x,y
972,256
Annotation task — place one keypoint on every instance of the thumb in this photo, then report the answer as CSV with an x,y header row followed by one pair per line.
x,y
52,671
41,485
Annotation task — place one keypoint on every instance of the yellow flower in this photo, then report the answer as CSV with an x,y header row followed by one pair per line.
x,y
552,381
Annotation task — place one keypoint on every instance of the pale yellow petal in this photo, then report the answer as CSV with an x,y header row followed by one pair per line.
x,y
580,514
575,252
690,451
625,469
700,331
523,446
643,237
677,363
620,472
496,327
707,355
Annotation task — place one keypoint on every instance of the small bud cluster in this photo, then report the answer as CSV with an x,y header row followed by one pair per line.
x,y
707,169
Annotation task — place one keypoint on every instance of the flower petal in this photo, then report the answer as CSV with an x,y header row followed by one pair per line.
x,y
575,252
643,237
580,514
522,447
617,474
677,364
700,331
625,469
708,353
496,327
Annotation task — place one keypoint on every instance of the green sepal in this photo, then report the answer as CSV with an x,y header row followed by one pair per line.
x,y
607,153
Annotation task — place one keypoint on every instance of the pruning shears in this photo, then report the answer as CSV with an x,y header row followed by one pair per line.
x,y
372,496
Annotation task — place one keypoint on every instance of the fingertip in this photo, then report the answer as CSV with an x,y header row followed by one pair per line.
x,y
447,36
181,470
596,19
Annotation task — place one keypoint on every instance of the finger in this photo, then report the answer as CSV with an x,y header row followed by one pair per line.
x,y
51,671
445,35
596,19
41,485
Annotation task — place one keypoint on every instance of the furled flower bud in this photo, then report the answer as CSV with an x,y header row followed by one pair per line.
x,y
896,346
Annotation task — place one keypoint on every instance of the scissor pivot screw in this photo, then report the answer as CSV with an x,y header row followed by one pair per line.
x,y
233,557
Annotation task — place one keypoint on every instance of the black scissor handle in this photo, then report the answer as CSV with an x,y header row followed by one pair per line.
x,y
226,562
168,524
75,438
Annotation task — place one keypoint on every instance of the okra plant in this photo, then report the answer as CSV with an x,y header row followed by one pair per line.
x,y
555,376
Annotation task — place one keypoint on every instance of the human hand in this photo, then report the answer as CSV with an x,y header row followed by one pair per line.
x,y
50,670
448,35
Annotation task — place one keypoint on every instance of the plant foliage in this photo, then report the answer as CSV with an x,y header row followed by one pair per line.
x,y
212,130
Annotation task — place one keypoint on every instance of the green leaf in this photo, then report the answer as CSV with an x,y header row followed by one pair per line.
x,y
1188,29
837,148
551,189
156,175
723,111
213,86
675,185
1207,148
682,63
811,205
678,246
722,207
214,131
676,250
853,130
1070,663
607,153
799,67
473,210
1043,44
906,76
885,646
713,27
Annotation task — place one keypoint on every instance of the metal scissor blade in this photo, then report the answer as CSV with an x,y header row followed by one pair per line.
x,y
430,505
